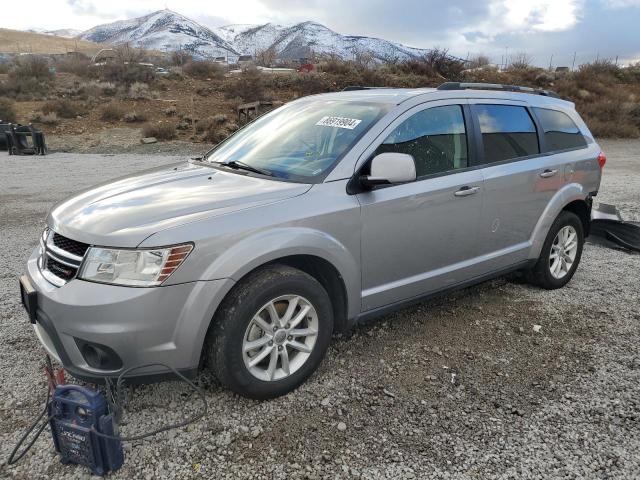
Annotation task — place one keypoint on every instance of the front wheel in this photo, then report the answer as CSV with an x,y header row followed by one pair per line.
x,y
560,253
271,332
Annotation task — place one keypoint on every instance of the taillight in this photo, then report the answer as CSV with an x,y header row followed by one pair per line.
x,y
602,159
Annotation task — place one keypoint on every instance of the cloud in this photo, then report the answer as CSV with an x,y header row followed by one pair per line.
x,y
622,3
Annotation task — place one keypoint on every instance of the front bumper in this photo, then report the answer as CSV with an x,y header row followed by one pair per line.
x,y
165,324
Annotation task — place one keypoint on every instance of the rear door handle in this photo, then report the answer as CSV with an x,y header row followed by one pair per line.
x,y
548,173
466,190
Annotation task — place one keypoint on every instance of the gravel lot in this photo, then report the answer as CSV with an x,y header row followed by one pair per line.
x,y
459,387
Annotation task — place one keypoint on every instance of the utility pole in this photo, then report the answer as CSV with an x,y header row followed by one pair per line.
x,y
573,65
550,61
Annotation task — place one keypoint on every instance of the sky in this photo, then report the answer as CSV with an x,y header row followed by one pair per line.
x,y
549,31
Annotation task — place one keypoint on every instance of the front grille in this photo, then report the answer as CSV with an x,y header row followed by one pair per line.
x,y
61,257
71,246
60,269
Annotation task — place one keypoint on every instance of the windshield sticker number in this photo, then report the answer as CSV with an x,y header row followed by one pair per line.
x,y
339,122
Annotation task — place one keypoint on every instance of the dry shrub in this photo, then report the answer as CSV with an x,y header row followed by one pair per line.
x,y
139,91
63,108
215,129
31,67
111,113
7,111
180,58
45,118
161,131
171,111
29,77
125,74
77,65
203,69
133,117
97,89
249,85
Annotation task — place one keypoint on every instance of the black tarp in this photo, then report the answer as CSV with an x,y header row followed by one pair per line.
x,y
609,229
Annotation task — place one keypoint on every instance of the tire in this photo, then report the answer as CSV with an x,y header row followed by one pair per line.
x,y
242,319
542,274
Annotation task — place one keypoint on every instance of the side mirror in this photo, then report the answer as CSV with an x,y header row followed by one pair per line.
x,y
390,168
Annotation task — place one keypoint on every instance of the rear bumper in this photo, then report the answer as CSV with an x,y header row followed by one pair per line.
x,y
134,325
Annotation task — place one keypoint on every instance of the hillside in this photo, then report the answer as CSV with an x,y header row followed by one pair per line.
x,y
163,30
302,39
166,30
15,41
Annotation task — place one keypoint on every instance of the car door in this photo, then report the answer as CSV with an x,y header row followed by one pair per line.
x,y
519,180
421,236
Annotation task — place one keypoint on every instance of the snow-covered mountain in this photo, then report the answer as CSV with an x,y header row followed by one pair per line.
x,y
302,39
163,30
167,31
63,32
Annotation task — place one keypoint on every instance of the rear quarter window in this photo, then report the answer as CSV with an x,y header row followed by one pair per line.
x,y
508,132
560,132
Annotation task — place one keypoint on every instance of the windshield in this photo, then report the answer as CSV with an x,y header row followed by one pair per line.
x,y
299,141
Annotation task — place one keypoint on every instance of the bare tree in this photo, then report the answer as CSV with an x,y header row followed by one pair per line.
x,y
520,60
478,61
266,57
127,54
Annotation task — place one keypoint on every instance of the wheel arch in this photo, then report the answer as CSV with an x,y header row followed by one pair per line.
x,y
572,197
582,208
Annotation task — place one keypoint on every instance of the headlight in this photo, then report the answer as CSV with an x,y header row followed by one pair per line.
x,y
139,268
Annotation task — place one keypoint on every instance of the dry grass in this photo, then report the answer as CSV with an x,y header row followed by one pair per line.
x,y
111,113
15,41
64,108
133,117
161,131
203,69
45,118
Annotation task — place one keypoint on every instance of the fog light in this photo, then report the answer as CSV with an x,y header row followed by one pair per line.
x,y
99,356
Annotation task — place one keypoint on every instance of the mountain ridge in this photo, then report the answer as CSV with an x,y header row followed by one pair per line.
x,y
166,30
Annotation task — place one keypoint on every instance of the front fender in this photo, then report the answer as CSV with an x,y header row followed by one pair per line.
x,y
563,197
267,246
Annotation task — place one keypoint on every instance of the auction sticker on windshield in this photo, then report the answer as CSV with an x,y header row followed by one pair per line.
x,y
339,122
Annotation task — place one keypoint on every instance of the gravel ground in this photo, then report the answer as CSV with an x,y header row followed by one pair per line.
x,y
459,387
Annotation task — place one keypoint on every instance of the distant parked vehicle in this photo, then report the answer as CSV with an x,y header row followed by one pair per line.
x,y
321,213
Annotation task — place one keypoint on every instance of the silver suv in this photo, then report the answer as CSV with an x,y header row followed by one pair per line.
x,y
329,210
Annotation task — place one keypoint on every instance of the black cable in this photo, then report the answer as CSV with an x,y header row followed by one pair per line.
x,y
13,460
118,402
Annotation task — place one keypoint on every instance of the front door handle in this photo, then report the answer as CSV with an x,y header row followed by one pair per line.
x,y
548,173
466,190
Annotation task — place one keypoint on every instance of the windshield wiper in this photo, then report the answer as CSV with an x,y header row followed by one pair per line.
x,y
243,166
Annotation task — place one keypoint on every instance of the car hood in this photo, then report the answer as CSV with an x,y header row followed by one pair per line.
x,y
122,213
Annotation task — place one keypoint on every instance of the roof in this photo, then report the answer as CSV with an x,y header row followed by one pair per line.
x,y
400,95
378,95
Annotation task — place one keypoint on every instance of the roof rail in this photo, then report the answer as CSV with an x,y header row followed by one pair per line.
x,y
496,87
352,88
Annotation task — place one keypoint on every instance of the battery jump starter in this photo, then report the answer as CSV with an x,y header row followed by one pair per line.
x,y
84,422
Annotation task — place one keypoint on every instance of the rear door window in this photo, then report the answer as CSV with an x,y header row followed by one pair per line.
x,y
508,132
560,132
435,137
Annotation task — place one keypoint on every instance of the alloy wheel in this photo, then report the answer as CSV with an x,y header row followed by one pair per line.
x,y
280,337
563,251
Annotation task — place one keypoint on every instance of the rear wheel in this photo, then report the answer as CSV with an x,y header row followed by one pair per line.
x,y
560,253
271,333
